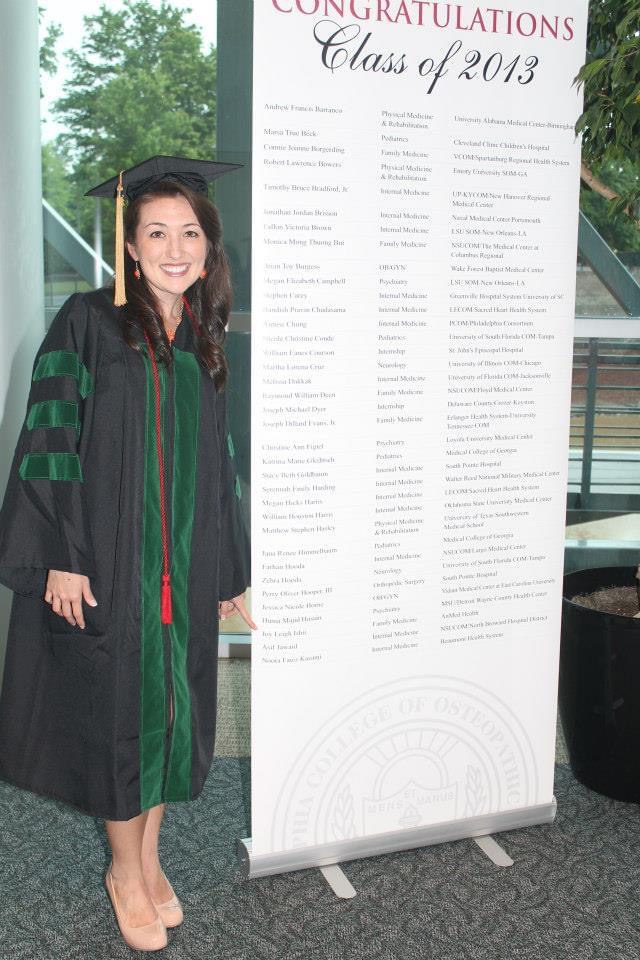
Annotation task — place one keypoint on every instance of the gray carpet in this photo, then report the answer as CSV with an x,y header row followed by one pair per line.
x,y
233,717
573,892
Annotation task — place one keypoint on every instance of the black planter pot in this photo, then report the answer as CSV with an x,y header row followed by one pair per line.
x,y
600,687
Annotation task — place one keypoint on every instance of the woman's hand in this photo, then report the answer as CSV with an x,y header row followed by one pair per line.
x,y
227,608
65,592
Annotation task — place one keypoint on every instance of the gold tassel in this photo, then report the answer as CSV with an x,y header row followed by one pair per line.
x,y
120,297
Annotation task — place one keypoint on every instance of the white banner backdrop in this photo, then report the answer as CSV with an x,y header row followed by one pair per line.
x,y
415,198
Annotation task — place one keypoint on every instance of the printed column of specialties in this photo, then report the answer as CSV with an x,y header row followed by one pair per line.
x,y
505,294
302,288
399,621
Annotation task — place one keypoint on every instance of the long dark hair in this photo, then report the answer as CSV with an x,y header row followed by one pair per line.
x,y
209,298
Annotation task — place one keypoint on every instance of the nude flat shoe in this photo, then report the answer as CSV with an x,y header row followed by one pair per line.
x,y
170,911
150,936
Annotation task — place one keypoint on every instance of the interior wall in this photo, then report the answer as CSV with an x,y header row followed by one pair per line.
x,y
21,256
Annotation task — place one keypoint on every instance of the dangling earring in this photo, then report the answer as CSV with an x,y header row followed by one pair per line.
x,y
203,274
136,272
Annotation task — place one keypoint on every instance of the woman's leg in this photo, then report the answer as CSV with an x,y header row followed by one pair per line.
x,y
126,841
157,884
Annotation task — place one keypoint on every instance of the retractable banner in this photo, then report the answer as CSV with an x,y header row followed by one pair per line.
x,y
415,198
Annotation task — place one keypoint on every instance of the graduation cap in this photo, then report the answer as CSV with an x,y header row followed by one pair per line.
x,y
132,183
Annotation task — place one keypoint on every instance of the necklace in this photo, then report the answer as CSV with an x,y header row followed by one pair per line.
x,y
171,334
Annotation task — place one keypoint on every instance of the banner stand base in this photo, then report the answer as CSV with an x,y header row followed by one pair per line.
x,y
343,888
300,858
338,881
497,854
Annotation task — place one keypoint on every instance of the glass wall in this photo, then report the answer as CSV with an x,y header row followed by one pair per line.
x,y
603,519
120,82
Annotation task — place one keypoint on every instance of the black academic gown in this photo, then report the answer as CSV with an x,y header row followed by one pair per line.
x,y
85,714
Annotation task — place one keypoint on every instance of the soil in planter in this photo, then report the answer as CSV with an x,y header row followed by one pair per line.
x,y
620,600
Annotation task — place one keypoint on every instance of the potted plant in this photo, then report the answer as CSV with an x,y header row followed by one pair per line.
x,y
599,693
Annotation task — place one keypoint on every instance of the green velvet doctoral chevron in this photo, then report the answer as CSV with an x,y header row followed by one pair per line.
x,y
51,466
232,451
64,363
53,413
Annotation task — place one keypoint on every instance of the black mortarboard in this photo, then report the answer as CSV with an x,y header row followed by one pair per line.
x,y
131,183
195,174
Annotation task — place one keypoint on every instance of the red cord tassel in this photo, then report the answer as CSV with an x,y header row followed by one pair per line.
x,y
166,613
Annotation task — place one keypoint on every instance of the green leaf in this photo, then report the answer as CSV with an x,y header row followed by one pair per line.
x,y
631,113
591,69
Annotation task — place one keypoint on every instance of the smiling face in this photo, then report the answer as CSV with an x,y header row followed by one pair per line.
x,y
170,246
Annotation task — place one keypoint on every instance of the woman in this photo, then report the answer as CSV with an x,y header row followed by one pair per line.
x,y
121,537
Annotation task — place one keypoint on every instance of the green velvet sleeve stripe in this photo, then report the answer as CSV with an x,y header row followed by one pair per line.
x,y
232,451
53,413
238,488
51,466
64,363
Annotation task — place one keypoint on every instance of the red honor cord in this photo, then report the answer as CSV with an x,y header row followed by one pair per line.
x,y
166,614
